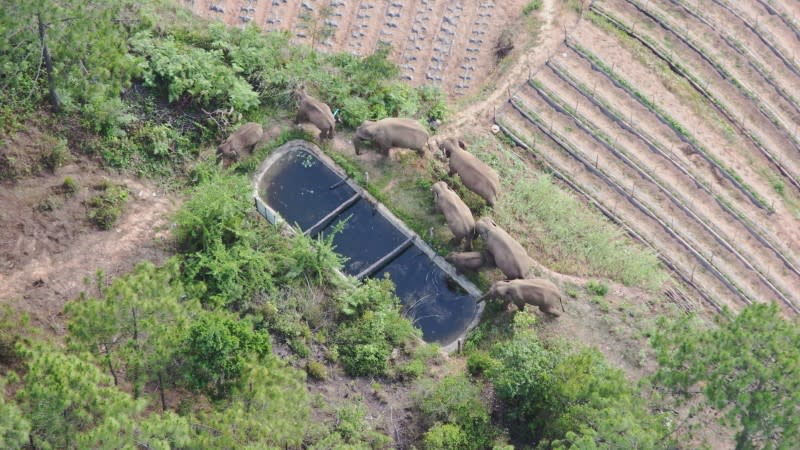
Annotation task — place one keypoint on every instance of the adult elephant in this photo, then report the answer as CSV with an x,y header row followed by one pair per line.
x,y
469,261
508,255
535,291
476,175
392,132
244,138
456,213
309,109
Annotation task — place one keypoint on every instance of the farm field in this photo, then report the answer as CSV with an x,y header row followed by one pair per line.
x,y
444,43
679,118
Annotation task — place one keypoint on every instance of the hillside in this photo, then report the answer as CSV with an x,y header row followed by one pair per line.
x,y
648,162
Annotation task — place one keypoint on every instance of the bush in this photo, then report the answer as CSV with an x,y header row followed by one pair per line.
x,y
106,207
69,187
412,370
444,436
373,326
54,156
562,396
185,70
533,5
317,370
597,288
479,362
216,351
456,401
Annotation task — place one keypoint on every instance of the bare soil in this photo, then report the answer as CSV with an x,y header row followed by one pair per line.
x,y
45,255
776,138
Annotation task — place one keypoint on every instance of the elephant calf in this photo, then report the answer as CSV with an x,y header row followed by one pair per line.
x,y
244,138
469,261
509,256
309,109
536,291
392,132
476,175
456,213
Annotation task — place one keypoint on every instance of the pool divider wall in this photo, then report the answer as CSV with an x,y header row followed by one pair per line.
x,y
413,238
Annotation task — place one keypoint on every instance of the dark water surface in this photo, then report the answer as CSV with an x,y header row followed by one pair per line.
x,y
433,301
298,187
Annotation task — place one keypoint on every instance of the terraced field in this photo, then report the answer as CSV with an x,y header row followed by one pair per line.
x,y
679,120
445,43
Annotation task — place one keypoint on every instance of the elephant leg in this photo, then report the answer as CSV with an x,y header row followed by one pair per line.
x,y
384,144
469,243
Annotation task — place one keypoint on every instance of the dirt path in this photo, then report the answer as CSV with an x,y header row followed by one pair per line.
x,y
481,113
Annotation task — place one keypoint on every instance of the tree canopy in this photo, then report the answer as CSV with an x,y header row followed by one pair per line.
x,y
747,366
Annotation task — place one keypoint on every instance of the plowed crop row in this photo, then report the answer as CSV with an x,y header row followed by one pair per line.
x,y
446,43
732,98
674,134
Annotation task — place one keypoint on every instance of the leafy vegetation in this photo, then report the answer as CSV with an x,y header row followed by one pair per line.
x,y
569,398
746,368
458,416
531,6
185,355
372,327
105,208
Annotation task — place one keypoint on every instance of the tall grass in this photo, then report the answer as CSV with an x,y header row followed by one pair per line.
x,y
559,230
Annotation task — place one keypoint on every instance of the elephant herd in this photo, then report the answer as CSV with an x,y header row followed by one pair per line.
x,y
501,250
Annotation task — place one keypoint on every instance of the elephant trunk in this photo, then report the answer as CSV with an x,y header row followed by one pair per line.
x,y
484,297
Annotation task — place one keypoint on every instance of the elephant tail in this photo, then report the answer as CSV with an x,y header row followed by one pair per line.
x,y
562,304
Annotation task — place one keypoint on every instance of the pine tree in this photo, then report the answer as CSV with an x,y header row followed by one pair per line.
x,y
136,326
747,367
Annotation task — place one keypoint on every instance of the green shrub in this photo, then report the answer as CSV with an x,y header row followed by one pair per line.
x,y
445,436
457,401
69,187
216,350
185,70
597,288
54,156
412,370
50,203
372,326
560,396
533,5
478,362
12,326
317,370
106,207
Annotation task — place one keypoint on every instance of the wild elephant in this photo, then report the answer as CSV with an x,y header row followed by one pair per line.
x,y
456,213
535,291
309,109
244,138
476,175
509,256
469,261
392,132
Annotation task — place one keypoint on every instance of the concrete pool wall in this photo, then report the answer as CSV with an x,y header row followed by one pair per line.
x,y
299,183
